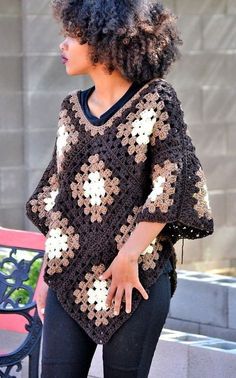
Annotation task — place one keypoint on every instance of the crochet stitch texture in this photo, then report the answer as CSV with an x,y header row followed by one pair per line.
x,y
100,183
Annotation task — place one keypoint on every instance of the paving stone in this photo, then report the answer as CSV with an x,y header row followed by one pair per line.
x,y
96,368
220,332
212,361
182,325
209,305
179,360
232,307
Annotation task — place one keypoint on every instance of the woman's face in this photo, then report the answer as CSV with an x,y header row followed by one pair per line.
x,y
78,62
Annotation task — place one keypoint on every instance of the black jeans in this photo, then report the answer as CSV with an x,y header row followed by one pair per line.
x,y
67,350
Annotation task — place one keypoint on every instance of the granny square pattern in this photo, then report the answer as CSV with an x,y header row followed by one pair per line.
x,y
100,183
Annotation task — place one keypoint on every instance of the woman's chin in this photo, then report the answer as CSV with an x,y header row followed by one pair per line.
x,y
69,71
72,72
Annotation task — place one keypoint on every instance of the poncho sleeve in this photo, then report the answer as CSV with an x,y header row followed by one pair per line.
x,y
176,192
40,203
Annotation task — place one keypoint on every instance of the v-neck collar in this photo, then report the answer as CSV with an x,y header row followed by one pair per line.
x,y
99,129
111,109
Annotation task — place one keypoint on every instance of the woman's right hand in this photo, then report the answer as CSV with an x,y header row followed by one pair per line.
x,y
41,300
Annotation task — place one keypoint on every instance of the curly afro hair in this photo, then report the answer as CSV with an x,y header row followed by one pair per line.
x,y
139,38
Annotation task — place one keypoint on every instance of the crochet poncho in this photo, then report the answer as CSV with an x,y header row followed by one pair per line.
x,y
100,183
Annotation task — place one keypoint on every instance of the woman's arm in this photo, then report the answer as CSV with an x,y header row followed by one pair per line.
x,y
124,268
140,238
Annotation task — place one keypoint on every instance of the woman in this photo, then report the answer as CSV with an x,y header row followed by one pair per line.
x,y
123,185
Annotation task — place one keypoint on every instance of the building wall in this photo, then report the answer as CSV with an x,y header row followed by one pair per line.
x,y
33,83
12,171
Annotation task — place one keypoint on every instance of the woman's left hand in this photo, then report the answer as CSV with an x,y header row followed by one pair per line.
x,y
124,272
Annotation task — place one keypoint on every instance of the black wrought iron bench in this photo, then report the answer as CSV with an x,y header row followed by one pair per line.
x,y
21,256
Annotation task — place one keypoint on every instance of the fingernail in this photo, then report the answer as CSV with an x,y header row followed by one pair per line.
x,y
115,312
100,277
